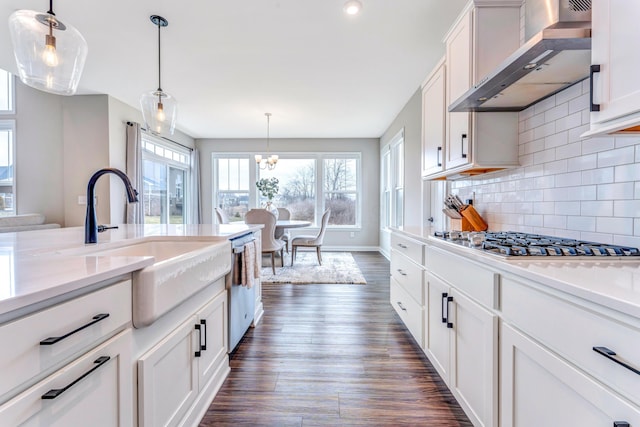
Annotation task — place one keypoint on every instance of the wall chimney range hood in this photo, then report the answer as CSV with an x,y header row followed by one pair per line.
x,y
556,55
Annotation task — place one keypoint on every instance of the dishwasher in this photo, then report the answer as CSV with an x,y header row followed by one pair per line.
x,y
242,300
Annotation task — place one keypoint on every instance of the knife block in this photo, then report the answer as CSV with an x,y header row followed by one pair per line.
x,y
473,218
461,224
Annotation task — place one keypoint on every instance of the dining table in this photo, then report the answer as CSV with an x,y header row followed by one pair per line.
x,y
284,224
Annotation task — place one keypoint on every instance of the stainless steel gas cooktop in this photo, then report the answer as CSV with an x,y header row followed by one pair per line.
x,y
516,244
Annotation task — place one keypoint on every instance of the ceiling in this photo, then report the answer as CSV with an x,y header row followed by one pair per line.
x,y
320,72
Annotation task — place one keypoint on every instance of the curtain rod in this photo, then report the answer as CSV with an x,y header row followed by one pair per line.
x,y
162,137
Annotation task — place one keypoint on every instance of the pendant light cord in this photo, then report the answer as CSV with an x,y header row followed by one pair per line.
x,y
50,11
159,75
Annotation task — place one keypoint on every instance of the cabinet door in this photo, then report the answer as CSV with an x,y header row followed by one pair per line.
x,y
94,390
540,389
458,81
474,358
433,122
436,331
617,87
167,378
213,328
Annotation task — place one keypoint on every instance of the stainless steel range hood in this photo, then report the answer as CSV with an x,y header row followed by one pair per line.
x,y
556,55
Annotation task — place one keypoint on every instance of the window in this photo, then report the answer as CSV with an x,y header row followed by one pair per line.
x,y
166,169
7,182
6,92
397,156
392,183
231,183
385,202
308,184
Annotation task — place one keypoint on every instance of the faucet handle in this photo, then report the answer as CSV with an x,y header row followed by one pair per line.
x,y
102,228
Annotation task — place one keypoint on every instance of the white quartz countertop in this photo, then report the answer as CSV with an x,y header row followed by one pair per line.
x,y
611,282
41,265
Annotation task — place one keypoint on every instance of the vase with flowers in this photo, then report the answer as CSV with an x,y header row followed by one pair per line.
x,y
268,188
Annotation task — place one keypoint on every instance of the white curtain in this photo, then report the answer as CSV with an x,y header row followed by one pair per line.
x,y
195,213
135,211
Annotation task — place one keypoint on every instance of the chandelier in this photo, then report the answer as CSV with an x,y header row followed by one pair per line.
x,y
271,159
50,55
159,109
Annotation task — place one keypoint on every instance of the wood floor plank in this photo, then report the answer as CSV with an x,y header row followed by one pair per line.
x,y
333,355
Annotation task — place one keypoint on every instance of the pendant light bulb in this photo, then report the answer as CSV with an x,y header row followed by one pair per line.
x,y
352,7
159,109
50,55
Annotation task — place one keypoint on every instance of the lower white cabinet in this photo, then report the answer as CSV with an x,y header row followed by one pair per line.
x,y
538,388
93,390
462,343
173,374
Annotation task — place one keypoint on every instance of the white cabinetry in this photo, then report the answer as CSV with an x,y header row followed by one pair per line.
x,y
616,86
481,38
179,375
548,356
407,289
462,333
70,364
433,121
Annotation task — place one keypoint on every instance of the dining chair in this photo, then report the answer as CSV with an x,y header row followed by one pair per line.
x,y
269,243
283,233
222,216
311,241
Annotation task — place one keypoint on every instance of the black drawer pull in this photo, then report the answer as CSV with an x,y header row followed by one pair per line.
x,y
203,322
594,69
199,350
449,324
438,156
464,136
620,424
55,392
611,355
401,306
402,246
399,270
443,308
95,319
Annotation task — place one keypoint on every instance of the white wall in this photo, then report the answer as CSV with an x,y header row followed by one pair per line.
x,y
585,188
369,147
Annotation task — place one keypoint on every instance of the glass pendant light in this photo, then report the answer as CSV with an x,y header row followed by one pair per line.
x,y
272,159
159,109
50,55
352,7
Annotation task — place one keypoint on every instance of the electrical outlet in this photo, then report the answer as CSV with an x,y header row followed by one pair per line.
x,y
82,200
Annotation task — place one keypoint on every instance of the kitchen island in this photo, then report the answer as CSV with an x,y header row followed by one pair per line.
x,y
74,354
523,341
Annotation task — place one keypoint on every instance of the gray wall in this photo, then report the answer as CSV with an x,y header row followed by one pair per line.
x,y
410,118
369,147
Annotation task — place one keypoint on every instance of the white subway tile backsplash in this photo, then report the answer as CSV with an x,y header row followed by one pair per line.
x,y
620,156
566,185
623,190
597,176
627,173
596,208
629,208
614,225
581,223
582,163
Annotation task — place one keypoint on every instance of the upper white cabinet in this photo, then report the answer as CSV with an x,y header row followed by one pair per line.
x,y
433,121
483,36
616,87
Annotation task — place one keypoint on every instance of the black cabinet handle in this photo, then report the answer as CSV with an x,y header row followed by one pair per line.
x,y
402,246
438,156
399,270
55,392
401,306
464,136
594,69
203,322
197,352
611,355
95,319
449,324
620,424
444,307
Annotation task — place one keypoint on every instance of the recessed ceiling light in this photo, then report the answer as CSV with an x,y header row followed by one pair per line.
x,y
352,7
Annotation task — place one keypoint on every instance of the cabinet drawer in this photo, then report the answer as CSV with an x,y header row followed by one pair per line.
x,y
25,360
573,331
469,277
409,247
409,275
98,391
409,311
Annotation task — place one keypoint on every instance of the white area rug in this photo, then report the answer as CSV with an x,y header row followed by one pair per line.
x,y
337,267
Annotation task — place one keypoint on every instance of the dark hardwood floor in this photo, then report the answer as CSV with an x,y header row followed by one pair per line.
x,y
333,355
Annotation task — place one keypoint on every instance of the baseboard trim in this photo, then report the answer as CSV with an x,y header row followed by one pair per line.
x,y
326,248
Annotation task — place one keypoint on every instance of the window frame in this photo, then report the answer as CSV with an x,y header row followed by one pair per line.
x,y
11,95
252,192
10,124
396,147
170,163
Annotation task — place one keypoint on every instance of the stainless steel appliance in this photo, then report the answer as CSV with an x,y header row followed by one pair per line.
x,y
242,299
510,244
